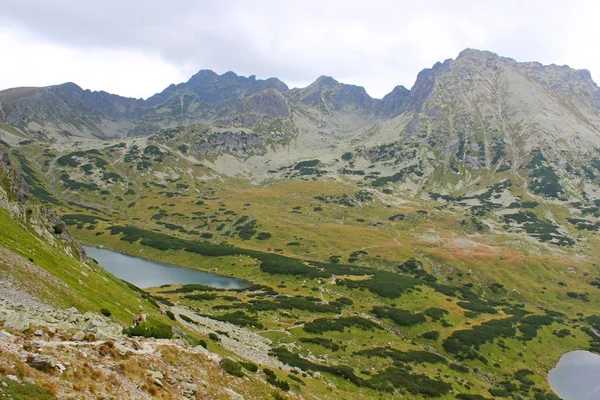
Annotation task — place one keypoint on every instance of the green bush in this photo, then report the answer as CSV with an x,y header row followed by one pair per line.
x,y
399,316
499,392
263,235
272,379
416,356
231,367
187,319
249,366
465,341
416,384
105,312
150,330
237,318
431,335
478,307
321,325
459,368
435,313
170,315
327,343
214,337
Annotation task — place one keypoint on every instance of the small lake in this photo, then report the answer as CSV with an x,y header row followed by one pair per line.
x,y
145,273
576,376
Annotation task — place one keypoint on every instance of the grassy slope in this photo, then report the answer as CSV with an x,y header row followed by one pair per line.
x,y
91,287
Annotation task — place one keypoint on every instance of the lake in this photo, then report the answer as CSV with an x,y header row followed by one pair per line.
x,y
145,273
576,376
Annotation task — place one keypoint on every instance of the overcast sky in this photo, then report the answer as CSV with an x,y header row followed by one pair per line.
x,y
138,47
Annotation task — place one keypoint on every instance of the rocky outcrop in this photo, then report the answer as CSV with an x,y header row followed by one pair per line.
x,y
43,220
240,143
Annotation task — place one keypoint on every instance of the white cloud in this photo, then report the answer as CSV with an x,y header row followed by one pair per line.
x,y
35,63
137,47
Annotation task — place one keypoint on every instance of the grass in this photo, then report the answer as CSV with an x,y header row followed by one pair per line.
x,y
26,391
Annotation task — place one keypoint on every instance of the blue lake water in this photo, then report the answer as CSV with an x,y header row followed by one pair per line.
x,y
576,376
145,273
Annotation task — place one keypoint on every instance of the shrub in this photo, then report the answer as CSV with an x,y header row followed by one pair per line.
x,y
478,307
459,368
499,392
249,366
231,367
435,313
238,318
150,330
293,360
416,356
531,323
187,319
431,335
464,341
170,315
272,379
214,337
327,343
263,235
399,316
105,312
415,384
321,325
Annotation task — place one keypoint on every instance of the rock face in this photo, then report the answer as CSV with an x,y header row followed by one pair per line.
x,y
479,97
479,112
15,198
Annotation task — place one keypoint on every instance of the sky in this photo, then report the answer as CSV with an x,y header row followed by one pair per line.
x,y
136,48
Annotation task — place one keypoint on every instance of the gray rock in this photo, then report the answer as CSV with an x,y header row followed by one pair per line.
x,y
38,332
79,335
17,322
42,363
12,378
155,374
121,349
89,315
6,337
189,387
158,382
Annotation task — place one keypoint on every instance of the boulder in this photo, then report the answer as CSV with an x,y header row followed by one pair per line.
x,y
42,363
6,337
189,387
155,374
17,322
